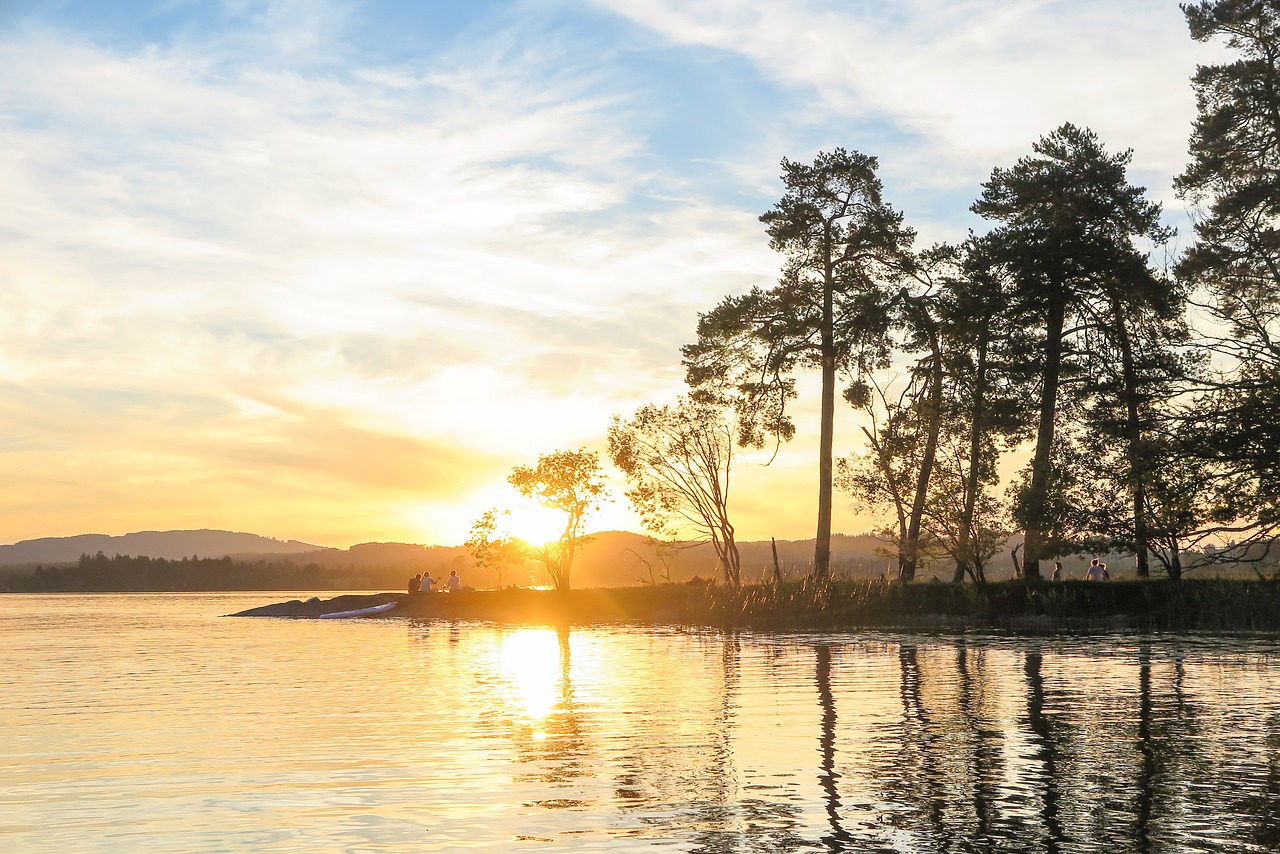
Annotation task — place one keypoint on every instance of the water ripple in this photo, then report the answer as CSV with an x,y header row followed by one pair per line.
x,y
149,723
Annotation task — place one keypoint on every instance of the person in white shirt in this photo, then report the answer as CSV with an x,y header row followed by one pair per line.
x,y
1096,571
453,582
428,583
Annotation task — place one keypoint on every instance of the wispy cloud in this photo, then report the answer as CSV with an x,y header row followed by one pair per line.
x,y
265,272
945,91
432,254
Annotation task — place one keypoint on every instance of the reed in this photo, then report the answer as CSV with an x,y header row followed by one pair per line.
x,y
1157,605
1212,604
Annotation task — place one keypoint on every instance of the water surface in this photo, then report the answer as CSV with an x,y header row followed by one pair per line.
x,y
149,723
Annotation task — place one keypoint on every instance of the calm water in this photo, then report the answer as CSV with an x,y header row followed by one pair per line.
x,y
150,723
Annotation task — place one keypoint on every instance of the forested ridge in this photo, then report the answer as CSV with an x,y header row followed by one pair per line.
x,y
613,558
126,573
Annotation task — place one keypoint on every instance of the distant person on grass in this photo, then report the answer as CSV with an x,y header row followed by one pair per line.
x,y
1057,570
453,582
1096,571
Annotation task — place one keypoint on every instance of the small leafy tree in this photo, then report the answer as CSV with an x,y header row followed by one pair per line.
x,y
968,523
572,483
884,476
677,461
493,548
1185,505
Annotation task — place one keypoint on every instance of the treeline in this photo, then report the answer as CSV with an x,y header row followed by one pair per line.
x,y
99,573
1143,386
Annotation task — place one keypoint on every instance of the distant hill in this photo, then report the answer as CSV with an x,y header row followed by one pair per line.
x,y
610,559
171,545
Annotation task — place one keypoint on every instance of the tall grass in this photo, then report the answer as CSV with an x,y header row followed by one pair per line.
x,y
1159,605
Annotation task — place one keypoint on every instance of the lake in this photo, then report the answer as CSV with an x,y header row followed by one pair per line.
x,y
151,723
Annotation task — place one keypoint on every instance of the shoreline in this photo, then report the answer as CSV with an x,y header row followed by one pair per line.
x,y
1208,605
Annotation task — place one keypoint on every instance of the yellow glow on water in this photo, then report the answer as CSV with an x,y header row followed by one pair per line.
x,y
532,665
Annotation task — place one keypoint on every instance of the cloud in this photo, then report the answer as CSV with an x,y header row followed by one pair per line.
x,y
341,280
955,89
255,265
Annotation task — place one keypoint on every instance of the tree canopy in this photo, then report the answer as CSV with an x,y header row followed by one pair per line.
x,y
1068,226
570,482
677,460
844,246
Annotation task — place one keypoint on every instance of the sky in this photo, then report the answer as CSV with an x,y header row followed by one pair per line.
x,y
328,270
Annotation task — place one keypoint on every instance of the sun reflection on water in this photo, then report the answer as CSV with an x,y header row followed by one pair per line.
x,y
533,663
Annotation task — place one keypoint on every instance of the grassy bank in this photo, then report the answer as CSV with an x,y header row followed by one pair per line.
x,y
1191,605
1204,605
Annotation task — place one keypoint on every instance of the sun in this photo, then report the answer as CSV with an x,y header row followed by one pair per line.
x,y
534,524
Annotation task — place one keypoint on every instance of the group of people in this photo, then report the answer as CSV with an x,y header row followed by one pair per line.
x,y
424,583
1097,571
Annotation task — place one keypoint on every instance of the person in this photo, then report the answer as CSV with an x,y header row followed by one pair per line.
x,y
415,584
453,582
428,583
1106,576
1096,571
1057,570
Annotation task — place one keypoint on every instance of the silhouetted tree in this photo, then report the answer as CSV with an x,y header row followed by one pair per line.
x,y
1135,371
1068,222
572,483
677,461
1234,180
987,384
844,245
931,444
493,548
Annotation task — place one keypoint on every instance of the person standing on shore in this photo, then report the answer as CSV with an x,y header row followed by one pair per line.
x,y
1057,570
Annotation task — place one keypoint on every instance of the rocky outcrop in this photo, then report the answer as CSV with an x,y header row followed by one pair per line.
x,y
316,607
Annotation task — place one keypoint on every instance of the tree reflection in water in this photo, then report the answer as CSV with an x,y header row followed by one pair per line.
x,y
896,743
1105,755
828,776
1147,749
1045,753
985,763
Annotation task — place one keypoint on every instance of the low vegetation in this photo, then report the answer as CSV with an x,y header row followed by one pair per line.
x,y
1152,606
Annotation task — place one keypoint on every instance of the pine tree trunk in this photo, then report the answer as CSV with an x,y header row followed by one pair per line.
x,y
934,421
1041,465
822,546
967,546
1133,435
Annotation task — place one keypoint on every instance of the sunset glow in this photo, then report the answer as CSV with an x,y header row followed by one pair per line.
x,y
327,271
535,525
